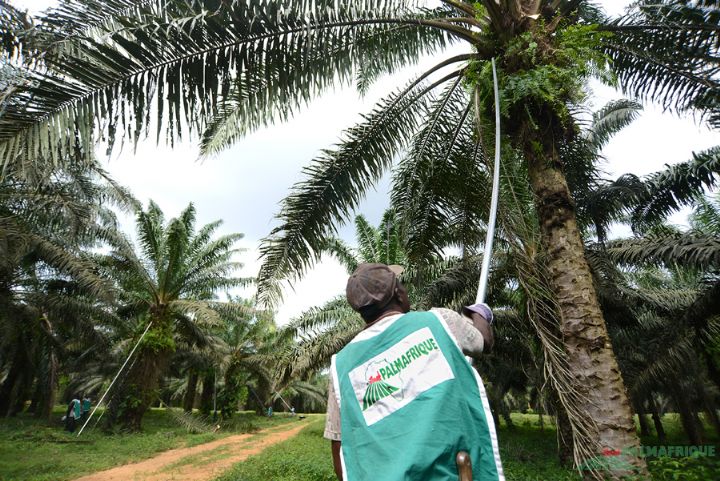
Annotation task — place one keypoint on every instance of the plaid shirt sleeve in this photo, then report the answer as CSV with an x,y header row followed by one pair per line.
x,y
470,339
332,421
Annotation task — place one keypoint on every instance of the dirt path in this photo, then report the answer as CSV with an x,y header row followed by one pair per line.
x,y
199,463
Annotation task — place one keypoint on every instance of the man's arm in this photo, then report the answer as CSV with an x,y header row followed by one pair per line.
x,y
462,327
336,459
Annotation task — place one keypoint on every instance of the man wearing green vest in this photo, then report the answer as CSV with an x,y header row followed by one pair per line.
x,y
403,399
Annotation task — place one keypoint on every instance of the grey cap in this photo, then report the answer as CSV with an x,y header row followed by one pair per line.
x,y
372,285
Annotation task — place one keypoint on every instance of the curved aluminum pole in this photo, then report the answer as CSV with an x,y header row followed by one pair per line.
x,y
482,288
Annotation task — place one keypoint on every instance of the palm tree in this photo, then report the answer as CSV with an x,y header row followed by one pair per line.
x,y
695,251
374,244
51,295
168,283
223,360
665,344
249,359
318,333
266,59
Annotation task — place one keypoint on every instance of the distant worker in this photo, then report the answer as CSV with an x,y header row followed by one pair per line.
x,y
73,414
292,411
85,407
403,400
269,411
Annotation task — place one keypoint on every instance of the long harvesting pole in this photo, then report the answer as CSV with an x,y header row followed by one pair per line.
x,y
115,379
485,271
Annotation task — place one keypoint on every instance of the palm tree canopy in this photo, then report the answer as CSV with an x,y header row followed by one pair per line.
x,y
177,270
117,62
112,70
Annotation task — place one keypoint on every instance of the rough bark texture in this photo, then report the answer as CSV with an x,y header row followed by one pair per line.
x,y
585,336
206,397
190,392
48,390
141,387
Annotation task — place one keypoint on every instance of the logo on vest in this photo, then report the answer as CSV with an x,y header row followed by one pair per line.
x,y
378,388
397,376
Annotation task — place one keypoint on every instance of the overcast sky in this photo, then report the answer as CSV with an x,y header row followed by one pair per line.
x,y
244,185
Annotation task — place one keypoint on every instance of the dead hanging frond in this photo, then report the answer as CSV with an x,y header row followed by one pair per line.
x,y
192,424
517,216
544,312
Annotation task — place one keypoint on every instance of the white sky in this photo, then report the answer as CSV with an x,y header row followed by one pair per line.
x,y
244,184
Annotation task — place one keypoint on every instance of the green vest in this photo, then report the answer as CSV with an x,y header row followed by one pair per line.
x,y
409,401
77,414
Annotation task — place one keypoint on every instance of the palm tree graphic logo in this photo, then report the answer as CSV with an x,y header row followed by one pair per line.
x,y
376,390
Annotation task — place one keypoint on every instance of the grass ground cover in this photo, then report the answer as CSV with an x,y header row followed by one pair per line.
x,y
30,450
305,457
529,453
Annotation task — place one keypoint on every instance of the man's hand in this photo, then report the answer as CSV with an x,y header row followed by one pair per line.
x,y
480,308
482,317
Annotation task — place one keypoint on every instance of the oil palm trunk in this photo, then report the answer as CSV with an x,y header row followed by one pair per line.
x,y
586,340
142,386
190,392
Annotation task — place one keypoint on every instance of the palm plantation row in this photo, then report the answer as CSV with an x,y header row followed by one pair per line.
x,y
92,71
72,313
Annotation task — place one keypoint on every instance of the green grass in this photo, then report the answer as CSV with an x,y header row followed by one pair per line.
x,y
30,450
528,454
306,457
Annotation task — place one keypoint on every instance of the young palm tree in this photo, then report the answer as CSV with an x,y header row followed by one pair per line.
x,y
249,359
311,339
264,59
169,283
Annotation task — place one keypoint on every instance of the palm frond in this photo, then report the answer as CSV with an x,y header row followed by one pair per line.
x,y
443,155
689,249
678,185
667,51
334,185
609,202
266,94
178,58
200,311
366,236
342,252
319,319
13,25
706,217
314,353
609,120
